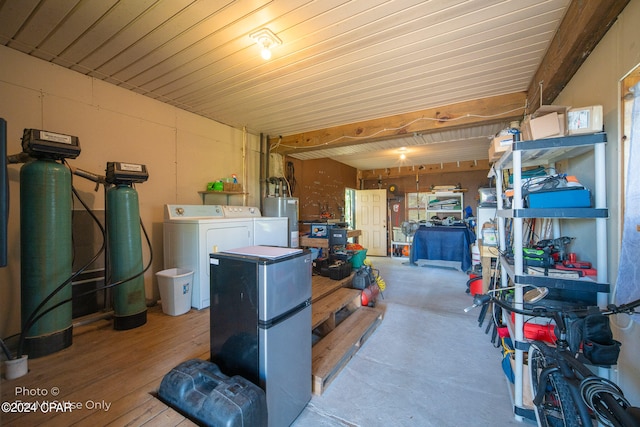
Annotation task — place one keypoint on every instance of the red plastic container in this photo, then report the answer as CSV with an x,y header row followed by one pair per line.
x,y
475,285
534,331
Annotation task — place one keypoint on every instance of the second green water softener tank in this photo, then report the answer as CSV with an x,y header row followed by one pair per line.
x,y
125,257
45,254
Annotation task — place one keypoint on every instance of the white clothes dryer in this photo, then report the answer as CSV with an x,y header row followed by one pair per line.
x,y
267,231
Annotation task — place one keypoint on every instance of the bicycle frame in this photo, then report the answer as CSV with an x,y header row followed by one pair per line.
x,y
562,364
576,374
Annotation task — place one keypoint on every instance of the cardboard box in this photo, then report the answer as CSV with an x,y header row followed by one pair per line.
x,y
489,236
503,142
493,156
549,121
499,145
584,120
544,126
488,251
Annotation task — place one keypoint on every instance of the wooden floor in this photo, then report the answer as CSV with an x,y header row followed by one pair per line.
x,y
115,374
121,369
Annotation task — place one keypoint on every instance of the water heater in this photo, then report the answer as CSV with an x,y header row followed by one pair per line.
x,y
276,206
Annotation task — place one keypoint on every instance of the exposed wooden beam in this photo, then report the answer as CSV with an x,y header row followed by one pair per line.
x,y
582,28
464,114
398,172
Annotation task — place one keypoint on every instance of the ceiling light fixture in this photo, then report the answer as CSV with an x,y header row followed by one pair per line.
x,y
403,151
265,39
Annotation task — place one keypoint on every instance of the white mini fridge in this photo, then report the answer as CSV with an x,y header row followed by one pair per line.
x,y
261,323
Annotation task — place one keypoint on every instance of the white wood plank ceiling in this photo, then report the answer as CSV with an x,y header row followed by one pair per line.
x,y
339,62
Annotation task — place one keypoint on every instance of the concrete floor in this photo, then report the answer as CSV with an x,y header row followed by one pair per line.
x,y
427,364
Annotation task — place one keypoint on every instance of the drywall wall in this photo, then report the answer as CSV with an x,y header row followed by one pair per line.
x,y
182,151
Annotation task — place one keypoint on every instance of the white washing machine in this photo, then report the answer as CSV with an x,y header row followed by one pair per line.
x,y
192,232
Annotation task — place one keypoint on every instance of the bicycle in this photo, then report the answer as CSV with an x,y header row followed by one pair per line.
x,y
566,392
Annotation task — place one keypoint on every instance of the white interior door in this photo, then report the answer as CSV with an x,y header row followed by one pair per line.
x,y
371,219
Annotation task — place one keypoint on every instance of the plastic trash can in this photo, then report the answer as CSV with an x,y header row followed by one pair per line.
x,y
175,290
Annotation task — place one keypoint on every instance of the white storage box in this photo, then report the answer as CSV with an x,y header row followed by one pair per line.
x,y
175,290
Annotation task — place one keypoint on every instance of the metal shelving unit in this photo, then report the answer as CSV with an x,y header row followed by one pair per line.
x,y
398,247
546,152
432,210
226,194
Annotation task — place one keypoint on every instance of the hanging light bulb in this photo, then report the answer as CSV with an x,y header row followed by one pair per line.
x,y
265,52
403,155
265,39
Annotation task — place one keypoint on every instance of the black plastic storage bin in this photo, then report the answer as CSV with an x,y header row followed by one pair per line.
x,y
339,271
201,392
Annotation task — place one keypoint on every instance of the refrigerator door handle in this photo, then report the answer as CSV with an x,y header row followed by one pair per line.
x,y
265,324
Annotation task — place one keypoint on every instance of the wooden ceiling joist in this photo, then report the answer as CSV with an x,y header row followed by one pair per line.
x,y
399,172
464,114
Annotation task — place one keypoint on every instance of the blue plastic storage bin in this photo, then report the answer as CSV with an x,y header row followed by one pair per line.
x,y
564,198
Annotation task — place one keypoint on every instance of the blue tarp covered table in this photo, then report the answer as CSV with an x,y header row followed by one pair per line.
x,y
445,243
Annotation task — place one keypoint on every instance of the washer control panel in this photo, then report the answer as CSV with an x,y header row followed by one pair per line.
x,y
241,212
173,212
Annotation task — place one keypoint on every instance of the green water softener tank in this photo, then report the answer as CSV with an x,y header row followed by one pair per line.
x,y
45,254
125,257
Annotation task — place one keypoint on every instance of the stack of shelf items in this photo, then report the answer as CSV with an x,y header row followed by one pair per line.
x,y
444,204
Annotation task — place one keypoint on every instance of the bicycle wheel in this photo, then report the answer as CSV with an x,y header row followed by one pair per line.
x,y
557,407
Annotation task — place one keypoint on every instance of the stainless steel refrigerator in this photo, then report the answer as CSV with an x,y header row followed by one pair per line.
x,y
261,323
281,207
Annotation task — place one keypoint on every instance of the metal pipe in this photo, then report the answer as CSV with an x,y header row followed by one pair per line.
x,y
245,178
19,158
261,175
100,179
266,166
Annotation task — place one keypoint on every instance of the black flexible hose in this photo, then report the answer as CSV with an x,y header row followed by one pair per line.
x,y
5,350
4,195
